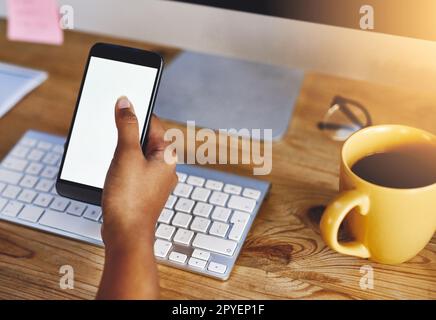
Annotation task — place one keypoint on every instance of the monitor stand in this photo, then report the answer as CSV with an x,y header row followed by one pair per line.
x,y
224,93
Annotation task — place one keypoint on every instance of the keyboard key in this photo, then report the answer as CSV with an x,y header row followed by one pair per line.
x,y
43,200
44,145
217,267
183,236
200,224
72,224
29,181
161,248
31,213
15,164
214,185
184,205
170,202
195,181
60,204
45,185
202,209
214,244
197,263
12,208
34,168
221,214
218,198
49,172
165,216
27,196
178,257
76,208
200,194
2,203
251,193
237,231
219,229
182,190
165,231
182,176
11,192
181,220
10,176
20,151
53,190
58,148
201,254
233,189
92,213
29,142
35,155
241,203
51,158
240,217
2,186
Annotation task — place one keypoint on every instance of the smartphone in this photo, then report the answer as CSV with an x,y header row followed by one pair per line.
x,y
111,71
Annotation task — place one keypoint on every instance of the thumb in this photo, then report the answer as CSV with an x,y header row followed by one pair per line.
x,y
128,128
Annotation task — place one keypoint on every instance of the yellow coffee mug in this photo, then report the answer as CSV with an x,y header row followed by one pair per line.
x,y
388,225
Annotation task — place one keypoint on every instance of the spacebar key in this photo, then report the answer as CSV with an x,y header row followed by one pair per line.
x,y
218,245
73,224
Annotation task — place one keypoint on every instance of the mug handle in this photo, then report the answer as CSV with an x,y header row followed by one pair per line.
x,y
333,216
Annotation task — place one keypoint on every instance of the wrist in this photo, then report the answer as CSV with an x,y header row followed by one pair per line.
x,y
129,244
115,255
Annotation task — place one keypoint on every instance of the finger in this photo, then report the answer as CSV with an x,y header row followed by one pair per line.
x,y
128,128
156,144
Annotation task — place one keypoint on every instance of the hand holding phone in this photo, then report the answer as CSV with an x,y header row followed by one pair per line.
x,y
111,71
135,191
136,187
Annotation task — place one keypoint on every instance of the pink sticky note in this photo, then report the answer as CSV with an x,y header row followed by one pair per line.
x,y
34,21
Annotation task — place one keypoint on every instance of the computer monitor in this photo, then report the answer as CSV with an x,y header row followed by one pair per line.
x,y
268,39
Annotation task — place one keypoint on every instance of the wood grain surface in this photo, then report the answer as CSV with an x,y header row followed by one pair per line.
x,y
283,257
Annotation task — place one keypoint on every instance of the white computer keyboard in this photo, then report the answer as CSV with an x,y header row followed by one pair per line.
x,y
202,228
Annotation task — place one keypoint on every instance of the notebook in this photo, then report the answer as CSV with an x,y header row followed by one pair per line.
x,y
15,83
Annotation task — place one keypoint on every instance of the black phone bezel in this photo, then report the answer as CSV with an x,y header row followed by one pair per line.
x,y
88,193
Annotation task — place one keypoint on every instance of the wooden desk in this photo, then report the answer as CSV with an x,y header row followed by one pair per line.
x,y
283,257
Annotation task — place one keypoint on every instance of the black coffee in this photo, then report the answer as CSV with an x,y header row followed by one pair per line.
x,y
408,166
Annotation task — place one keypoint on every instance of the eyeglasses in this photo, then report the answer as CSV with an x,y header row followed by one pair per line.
x,y
343,118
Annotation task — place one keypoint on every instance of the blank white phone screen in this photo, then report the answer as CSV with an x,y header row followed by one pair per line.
x,y
94,134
